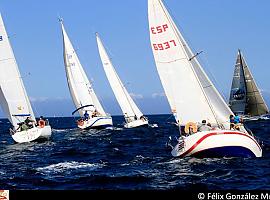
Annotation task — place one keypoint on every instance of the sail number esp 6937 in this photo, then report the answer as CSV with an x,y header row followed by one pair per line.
x,y
164,45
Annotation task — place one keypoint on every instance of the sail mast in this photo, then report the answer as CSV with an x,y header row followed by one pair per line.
x,y
242,73
80,87
180,72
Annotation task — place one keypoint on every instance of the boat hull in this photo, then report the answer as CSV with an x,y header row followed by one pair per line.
x,y
219,143
97,123
32,134
136,123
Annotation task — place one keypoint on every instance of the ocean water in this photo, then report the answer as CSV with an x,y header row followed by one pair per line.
x,y
124,159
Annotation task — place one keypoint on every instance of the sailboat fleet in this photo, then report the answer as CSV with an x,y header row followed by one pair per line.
x,y
193,98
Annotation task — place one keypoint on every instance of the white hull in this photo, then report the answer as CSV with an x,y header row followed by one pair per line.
x,y
97,123
218,143
32,134
136,123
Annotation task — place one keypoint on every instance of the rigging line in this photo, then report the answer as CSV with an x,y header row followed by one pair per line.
x,y
128,99
254,94
195,55
6,59
172,60
94,96
208,67
101,102
27,100
35,110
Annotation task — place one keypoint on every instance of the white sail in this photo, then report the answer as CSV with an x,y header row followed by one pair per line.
x,y
128,106
80,88
188,89
14,100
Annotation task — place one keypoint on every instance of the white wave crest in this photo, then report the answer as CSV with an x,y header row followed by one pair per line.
x,y
61,167
61,130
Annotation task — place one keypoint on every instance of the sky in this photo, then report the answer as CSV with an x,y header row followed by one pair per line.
x,y
218,28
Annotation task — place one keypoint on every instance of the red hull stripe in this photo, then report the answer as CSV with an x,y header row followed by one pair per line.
x,y
211,134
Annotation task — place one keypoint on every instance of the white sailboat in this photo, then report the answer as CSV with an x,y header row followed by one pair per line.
x,y
192,96
245,97
133,116
81,90
13,97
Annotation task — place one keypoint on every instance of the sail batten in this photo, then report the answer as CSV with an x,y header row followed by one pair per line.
x,y
189,91
128,106
80,88
13,95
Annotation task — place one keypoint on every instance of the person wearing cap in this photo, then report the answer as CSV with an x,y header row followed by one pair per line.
x,y
204,126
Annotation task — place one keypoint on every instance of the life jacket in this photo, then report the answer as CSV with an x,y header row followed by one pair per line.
x,y
193,127
41,123
80,122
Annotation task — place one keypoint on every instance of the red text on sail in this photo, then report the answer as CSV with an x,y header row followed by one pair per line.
x,y
165,45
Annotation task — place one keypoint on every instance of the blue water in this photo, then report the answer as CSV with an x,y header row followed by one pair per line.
x,y
121,159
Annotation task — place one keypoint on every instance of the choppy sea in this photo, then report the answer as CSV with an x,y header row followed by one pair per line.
x,y
124,159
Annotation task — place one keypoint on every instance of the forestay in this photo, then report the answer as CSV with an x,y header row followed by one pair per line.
x,y
13,98
189,91
128,106
80,88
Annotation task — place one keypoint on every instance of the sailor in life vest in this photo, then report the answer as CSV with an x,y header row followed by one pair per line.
x,y
41,122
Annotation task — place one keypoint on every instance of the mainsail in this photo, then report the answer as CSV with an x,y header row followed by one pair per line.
x,y
189,91
128,106
13,97
245,97
80,88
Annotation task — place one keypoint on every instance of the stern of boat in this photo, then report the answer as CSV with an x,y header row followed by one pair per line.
x,y
96,123
136,123
218,144
46,132
26,136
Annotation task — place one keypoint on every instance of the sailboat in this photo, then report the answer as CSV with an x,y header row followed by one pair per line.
x,y
13,97
81,90
133,116
245,97
192,96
